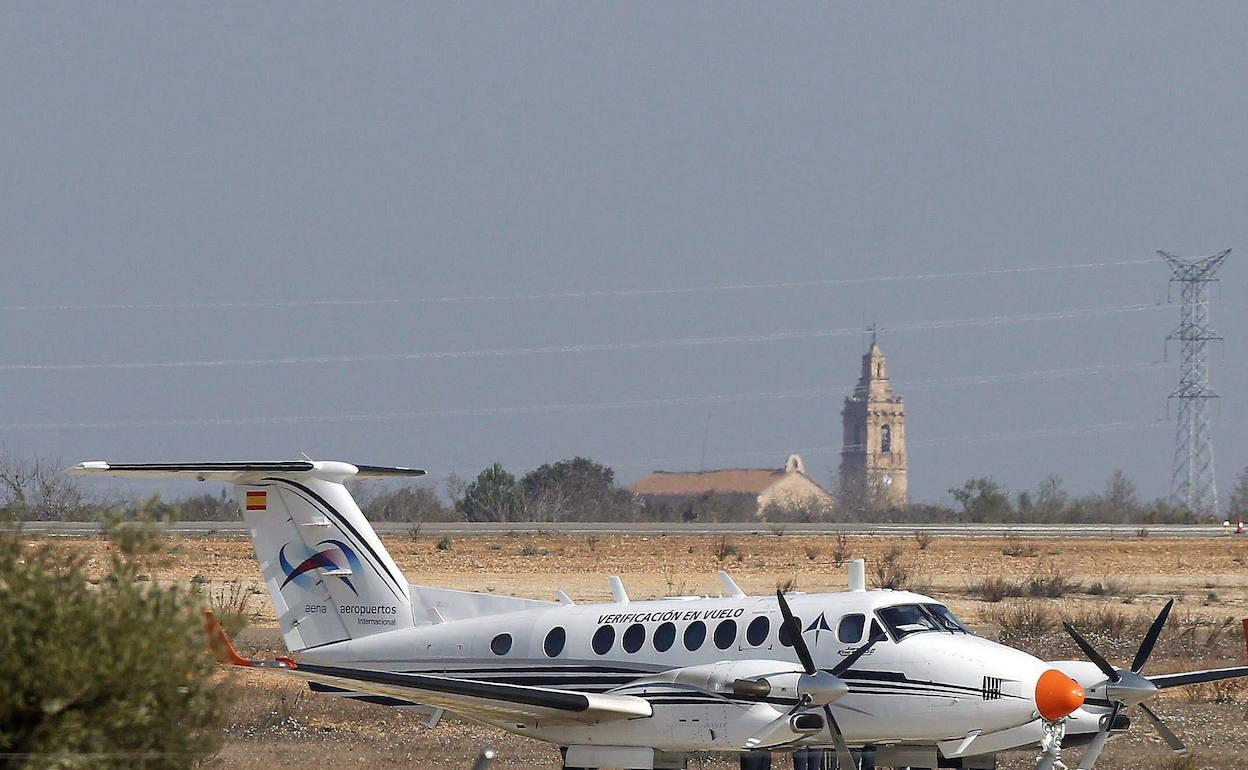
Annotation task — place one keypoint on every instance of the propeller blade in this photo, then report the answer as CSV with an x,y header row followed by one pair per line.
x,y
1092,654
1150,639
848,662
795,634
1098,741
1165,732
844,759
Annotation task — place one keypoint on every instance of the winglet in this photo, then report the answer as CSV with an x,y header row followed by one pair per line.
x,y
220,642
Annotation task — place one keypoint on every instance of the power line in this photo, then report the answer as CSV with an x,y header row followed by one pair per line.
x,y
588,294
1010,377
591,347
935,442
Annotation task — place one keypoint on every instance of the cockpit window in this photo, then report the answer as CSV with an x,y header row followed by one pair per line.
x,y
905,619
945,619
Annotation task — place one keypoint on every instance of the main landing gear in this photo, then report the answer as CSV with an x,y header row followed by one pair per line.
x,y
809,759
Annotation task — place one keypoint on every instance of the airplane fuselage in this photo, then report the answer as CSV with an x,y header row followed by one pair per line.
x,y
927,686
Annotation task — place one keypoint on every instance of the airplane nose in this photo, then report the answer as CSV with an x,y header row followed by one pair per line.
x,y
1057,695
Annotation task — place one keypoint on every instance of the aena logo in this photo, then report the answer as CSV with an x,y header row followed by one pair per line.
x,y
333,555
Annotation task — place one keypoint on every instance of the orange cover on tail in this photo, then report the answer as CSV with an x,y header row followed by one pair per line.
x,y
220,642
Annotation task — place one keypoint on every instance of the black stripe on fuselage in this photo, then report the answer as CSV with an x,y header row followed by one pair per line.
x,y
896,678
607,679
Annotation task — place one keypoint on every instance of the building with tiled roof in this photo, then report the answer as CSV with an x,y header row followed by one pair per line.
x,y
787,487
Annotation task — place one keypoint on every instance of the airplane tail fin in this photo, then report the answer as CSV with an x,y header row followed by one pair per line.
x,y
328,575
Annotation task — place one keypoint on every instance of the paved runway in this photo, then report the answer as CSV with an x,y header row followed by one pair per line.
x,y
231,528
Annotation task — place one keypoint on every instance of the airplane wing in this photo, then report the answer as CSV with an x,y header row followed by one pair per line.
x,y
1197,677
486,701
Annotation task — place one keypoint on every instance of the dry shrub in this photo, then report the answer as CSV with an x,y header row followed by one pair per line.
x,y
1023,620
923,538
1191,630
891,570
261,710
1050,582
229,602
994,589
812,551
1106,621
1108,586
841,553
1014,546
788,585
674,588
724,548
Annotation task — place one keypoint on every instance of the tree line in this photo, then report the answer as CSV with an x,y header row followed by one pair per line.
x,y
579,489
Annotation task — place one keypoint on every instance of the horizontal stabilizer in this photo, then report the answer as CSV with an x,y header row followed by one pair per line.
x,y
235,471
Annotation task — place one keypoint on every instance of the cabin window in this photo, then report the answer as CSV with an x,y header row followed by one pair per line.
x,y
501,644
634,637
850,629
786,638
756,632
664,636
725,634
695,634
555,639
886,439
604,640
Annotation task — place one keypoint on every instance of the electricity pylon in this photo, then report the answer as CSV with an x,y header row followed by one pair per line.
x,y
1192,484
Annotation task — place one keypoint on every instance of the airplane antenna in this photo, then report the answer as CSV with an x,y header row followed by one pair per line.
x,y
617,590
730,585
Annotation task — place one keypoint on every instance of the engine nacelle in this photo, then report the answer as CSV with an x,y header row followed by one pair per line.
x,y
739,677
816,689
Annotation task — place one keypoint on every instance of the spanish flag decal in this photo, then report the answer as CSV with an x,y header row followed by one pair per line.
x,y
257,500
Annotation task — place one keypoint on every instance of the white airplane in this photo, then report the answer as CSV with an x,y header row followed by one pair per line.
x,y
877,677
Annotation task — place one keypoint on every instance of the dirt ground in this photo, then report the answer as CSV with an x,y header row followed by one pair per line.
x,y
278,724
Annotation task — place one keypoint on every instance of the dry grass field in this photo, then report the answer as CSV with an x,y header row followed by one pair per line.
x,y
1111,587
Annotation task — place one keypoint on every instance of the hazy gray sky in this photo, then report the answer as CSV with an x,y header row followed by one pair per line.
x,y
216,155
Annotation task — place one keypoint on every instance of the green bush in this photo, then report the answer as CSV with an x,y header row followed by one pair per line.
x,y
112,675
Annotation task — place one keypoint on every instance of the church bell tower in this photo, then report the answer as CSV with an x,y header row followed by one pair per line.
x,y
873,442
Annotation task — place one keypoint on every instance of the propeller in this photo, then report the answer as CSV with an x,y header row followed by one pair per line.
x,y
1127,687
817,688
